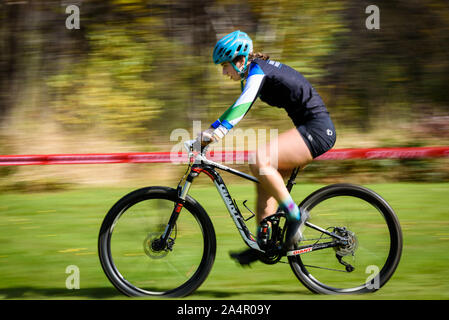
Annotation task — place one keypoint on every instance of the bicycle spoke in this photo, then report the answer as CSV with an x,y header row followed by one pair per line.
x,y
324,268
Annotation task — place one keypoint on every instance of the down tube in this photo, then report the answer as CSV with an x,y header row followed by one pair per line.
x,y
236,216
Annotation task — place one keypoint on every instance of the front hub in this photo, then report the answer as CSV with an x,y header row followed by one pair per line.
x,y
154,246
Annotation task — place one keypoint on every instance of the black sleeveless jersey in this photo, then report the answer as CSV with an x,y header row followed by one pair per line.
x,y
284,87
278,85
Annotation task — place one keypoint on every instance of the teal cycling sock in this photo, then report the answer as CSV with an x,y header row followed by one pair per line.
x,y
292,209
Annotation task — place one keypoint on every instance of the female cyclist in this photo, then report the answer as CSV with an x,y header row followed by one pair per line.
x,y
314,133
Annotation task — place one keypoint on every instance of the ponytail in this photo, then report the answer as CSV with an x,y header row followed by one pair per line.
x,y
258,55
252,56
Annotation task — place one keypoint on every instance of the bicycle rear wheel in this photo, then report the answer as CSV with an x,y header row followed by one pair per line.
x,y
368,261
132,227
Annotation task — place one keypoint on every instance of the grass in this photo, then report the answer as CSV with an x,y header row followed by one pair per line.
x,y
41,234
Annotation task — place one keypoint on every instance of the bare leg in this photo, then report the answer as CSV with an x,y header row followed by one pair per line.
x,y
266,203
271,163
286,153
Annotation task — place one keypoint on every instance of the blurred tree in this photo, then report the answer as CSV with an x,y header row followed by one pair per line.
x,y
108,89
111,88
10,19
396,72
138,67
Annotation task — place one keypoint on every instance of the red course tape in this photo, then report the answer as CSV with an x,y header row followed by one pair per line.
x,y
237,157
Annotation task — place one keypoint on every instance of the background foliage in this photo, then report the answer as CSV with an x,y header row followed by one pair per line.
x,y
136,70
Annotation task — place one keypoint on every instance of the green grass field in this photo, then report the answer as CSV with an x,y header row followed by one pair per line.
x,y
41,234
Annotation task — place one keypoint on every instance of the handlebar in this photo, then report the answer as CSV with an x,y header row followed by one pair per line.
x,y
193,146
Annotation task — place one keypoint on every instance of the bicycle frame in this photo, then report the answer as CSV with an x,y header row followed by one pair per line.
x,y
208,167
204,165
269,250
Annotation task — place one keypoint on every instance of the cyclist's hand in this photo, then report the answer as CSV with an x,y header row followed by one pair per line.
x,y
192,145
206,137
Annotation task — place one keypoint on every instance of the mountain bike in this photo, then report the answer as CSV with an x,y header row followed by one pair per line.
x,y
159,241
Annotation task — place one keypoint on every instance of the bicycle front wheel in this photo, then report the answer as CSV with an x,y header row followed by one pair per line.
x,y
370,257
127,240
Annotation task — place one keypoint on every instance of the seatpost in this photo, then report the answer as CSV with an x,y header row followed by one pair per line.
x,y
291,180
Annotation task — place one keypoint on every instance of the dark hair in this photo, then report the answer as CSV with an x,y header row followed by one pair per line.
x,y
258,55
253,56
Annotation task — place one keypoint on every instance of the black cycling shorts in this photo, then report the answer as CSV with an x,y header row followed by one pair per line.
x,y
318,133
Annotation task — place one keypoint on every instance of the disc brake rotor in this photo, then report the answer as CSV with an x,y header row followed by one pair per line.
x,y
152,245
348,248
149,245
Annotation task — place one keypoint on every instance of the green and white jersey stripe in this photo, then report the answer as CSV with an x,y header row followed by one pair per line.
x,y
238,110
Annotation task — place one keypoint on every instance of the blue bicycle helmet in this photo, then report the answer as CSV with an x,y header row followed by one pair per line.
x,y
229,47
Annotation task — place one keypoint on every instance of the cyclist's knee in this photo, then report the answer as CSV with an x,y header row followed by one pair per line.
x,y
261,165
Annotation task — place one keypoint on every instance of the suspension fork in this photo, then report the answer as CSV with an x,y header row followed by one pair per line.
x,y
182,194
